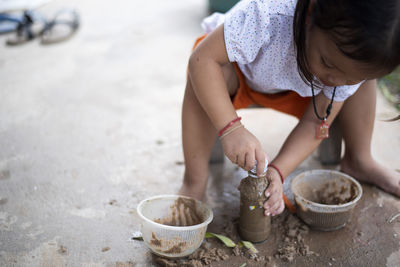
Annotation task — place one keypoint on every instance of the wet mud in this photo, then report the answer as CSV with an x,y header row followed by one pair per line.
x,y
212,252
333,194
293,243
182,213
172,247
254,226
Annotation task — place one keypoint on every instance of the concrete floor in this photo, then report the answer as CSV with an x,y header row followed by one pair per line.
x,y
90,127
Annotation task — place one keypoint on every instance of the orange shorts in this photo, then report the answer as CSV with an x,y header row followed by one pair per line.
x,y
288,102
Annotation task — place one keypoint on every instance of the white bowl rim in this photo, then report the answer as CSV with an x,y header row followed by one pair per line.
x,y
342,206
176,228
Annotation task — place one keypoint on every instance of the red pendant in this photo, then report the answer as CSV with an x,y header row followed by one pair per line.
x,y
322,130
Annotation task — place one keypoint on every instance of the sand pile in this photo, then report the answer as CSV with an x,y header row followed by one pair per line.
x,y
182,213
286,227
204,255
293,239
333,194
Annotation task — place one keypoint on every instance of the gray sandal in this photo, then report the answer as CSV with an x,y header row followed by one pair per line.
x,y
30,26
61,27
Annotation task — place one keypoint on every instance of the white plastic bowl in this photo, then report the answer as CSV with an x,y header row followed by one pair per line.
x,y
322,216
171,241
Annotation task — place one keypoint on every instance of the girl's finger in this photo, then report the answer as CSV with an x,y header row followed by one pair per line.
x,y
274,196
260,157
233,158
272,189
241,160
250,161
272,204
280,208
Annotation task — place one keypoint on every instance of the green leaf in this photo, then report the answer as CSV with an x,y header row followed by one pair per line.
x,y
226,240
208,235
244,264
250,246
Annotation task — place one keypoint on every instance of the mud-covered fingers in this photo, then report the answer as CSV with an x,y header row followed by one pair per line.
x,y
274,188
272,205
280,209
274,195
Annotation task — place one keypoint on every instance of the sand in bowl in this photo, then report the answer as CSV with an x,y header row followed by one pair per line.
x,y
333,194
173,226
325,198
182,213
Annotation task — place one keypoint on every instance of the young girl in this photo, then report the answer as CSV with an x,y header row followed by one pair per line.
x,y
316,60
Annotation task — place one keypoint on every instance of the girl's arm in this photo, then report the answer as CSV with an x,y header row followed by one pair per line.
x,y
302,141
209,85
297,147
205,73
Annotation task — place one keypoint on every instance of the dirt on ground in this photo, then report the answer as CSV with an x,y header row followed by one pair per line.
x,y
212,251
293,243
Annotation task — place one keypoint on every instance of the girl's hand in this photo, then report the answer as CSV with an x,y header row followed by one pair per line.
x,y
274,204
243,149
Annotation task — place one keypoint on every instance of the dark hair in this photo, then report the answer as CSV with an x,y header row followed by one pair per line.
x,y
367,31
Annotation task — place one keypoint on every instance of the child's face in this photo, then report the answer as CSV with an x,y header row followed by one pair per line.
x,y
329,65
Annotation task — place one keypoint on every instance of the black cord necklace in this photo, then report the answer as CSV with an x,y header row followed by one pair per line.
x,y
323,129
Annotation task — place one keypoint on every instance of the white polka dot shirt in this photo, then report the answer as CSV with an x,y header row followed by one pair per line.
x,y
259,37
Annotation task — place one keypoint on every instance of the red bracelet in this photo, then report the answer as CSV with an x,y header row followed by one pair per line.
x,y
287,202
277,169
228,125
